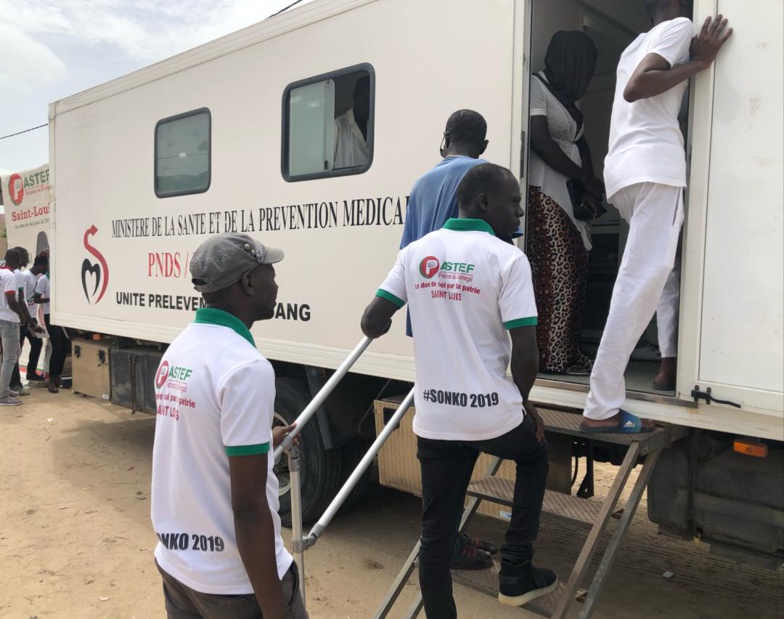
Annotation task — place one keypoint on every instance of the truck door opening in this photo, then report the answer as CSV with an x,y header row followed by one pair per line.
x,y
611,26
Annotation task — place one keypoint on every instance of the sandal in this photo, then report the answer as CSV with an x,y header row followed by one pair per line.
x,y
478,543
581,368
627,424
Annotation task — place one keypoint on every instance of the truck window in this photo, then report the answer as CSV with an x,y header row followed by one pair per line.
x,y
182,154
328,124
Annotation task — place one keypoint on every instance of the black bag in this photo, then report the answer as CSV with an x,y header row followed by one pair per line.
x,y
582,212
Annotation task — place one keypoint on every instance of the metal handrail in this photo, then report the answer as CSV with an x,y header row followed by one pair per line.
x,y
321,396
363,465
299,543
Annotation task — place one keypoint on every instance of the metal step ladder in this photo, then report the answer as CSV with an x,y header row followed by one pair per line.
x,y
583,512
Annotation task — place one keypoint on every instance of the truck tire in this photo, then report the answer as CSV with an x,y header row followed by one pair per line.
x,y
320,468
352,454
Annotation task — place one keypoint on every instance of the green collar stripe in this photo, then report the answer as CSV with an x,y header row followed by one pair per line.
x,y
465,224
213,316
521,322
248,450
390,297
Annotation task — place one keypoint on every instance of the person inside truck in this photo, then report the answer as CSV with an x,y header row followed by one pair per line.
x,y
214,494
351,129
471,300
564,196
645,175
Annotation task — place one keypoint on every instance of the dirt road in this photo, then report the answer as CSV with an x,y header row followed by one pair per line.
x,y
76,541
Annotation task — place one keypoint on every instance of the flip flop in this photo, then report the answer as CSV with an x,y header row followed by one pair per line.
x,y
627,424
667,387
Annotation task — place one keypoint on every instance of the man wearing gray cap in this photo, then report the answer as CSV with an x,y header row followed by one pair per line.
x,y
214,494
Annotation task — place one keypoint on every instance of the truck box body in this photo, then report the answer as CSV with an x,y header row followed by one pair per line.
x,y
341,234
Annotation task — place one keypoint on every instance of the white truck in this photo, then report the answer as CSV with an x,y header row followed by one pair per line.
x,y
238,134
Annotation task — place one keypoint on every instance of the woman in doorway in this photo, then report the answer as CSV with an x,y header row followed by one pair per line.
x,y
563,196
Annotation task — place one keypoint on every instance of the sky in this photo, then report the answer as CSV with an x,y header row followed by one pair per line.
x,y
53,50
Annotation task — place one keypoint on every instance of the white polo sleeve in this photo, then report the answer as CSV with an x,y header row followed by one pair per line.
x,y
673,42
247,401
394,286
9,283
538,98
40,286
516,299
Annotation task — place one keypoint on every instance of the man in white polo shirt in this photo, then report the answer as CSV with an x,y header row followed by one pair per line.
x,y
11,316
472,310
214,494
30,279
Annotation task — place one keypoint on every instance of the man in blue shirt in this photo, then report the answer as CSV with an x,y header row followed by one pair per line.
x,y
432,200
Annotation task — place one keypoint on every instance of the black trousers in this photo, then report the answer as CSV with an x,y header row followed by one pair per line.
x,y
446,471
35,355
59,343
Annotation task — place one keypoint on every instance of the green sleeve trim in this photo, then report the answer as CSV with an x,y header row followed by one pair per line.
x,y
390,297
248,450
521,322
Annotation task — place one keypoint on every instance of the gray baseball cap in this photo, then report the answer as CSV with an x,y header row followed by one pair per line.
x,y
223,259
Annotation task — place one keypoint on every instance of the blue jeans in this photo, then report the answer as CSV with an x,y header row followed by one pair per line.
x,y
9,335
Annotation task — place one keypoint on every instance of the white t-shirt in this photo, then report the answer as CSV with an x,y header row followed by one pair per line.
x,y
351,149
44,288
10,285
563,131
465,288
29,280
20,286
215,397
646,144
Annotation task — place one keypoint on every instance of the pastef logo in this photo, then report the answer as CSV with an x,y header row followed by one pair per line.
x,y
16,189
178,373
429,267
162,375
95,275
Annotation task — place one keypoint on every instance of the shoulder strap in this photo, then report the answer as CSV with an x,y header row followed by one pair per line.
x,y
573,111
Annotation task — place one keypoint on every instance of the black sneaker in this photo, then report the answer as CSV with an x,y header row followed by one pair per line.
x,y
518,586
466,557
478,543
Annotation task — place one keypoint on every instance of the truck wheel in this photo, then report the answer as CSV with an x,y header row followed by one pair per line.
x,y
320,469
352,454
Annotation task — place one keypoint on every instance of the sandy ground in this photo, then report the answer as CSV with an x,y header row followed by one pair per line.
x,y
76,541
